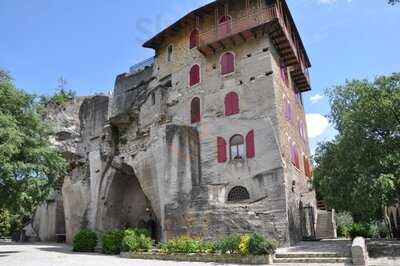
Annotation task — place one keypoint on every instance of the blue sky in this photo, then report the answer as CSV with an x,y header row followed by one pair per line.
x,y
90,42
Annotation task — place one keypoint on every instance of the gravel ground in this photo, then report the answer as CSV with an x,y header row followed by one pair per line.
x,y
60,255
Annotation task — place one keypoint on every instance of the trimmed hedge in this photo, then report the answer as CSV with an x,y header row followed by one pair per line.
x,y
85,241
248,244
135,243
111,241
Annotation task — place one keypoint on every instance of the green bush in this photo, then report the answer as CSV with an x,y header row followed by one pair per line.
x,y
343,230
112,241
255,244
135,243
5,223
182,245
85,241
358,229
137,232
229,244
259,245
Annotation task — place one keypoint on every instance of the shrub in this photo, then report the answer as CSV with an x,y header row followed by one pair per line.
x,y
85,241
358,229
343,230
137,232
182,244
112,241
135,243
255,244
229,244
259,245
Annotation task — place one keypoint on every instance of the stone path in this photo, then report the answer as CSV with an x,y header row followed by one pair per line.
x,y
60,255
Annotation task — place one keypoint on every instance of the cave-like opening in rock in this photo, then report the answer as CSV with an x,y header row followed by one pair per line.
x,y
127,206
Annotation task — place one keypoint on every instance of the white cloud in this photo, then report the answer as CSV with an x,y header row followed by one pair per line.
x,y
316,98
317,125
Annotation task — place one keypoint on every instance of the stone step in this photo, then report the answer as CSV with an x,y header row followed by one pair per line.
x,y
307,255
313,260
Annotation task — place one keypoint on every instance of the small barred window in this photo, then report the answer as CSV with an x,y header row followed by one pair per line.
x,y
238,194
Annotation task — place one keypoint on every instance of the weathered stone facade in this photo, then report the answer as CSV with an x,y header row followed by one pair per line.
x,y
137,160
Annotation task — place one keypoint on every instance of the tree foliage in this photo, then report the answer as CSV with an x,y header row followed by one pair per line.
x,y
28,163
359,171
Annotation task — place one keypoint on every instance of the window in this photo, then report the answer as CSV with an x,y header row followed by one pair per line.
x,y
238,194
227,63
194,75
302,130
231,104
253,4
294,156
284,72
194,39
236,145
224,26
153,98
221,145
307,167
250,147
195,111
169,53
287,109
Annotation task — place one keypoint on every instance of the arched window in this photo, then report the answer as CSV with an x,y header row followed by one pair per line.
x,y
236,145
224,26
294,156
169,53
287,109
194,39
284,72
221,146
250,146
227,63
231,103
238,194
153,98
307,166
195,110
194,75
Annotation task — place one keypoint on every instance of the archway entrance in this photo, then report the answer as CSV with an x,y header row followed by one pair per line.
x,y
127,206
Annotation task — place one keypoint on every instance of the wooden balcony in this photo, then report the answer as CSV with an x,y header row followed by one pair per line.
x,y
241,29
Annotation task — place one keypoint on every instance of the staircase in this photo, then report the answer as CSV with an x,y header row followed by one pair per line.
x,y
326,224
317,253
310,258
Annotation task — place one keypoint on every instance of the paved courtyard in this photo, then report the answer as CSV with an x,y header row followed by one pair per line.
x,y
60,255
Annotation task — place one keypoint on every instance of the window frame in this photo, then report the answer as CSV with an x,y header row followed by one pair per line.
x,y
240,148
190,75
221,67
194,119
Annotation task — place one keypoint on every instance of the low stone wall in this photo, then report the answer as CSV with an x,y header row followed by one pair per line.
x,y
359,252
383,248
234,259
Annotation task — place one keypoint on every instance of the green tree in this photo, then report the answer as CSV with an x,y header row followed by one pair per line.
x,y
29,165
359,171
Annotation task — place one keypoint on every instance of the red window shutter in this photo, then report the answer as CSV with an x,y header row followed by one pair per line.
x,y
195,111
231,103
228,105
194,75
227,63
250,147
221,146
194,39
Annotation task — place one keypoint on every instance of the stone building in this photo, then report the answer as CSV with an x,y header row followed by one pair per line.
x,y
207,138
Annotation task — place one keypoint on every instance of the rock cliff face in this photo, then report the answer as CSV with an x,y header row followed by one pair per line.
x,y
137,160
